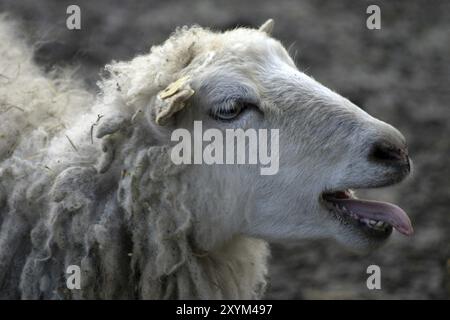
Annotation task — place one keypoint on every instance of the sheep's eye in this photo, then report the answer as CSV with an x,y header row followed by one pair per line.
x,y
229,111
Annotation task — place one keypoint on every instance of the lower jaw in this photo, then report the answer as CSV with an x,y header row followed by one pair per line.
x,y
376,234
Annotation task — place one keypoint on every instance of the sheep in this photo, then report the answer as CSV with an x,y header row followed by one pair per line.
x,y
87,180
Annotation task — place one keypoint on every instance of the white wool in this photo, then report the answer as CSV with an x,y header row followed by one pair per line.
x,y
84,182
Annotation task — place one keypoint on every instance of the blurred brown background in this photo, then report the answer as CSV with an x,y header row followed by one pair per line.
x,y
399,74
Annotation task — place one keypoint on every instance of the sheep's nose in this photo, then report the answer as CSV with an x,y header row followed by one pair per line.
x,y
391,154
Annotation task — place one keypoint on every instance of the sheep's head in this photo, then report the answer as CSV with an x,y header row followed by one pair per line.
x,y
327,146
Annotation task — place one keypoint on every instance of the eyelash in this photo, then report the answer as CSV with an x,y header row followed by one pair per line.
x,y
230,108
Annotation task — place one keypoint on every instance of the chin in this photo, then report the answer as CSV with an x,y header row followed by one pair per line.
x,y
362,225
358,240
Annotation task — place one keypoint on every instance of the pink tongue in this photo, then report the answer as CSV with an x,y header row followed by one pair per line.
x,y
377,210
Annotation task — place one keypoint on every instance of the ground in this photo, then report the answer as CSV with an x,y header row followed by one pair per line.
x,y
399,74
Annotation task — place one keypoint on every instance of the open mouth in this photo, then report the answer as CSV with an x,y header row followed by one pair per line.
x,y
375,217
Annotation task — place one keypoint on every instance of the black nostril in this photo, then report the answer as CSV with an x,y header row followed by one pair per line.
x,y
388,153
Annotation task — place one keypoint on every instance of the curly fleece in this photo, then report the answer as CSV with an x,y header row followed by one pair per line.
x,y
83,182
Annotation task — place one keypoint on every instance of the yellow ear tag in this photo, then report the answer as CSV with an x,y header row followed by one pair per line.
x,y
173,88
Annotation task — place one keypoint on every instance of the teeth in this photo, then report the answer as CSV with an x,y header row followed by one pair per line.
x,y
379,225
374,224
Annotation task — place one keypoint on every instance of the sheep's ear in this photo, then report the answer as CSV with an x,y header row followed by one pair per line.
x,y
172,99
267,27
